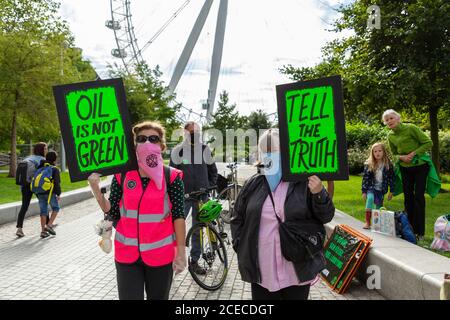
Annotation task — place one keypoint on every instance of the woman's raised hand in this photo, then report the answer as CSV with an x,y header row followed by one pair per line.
x,y
94,179
315,184
94,183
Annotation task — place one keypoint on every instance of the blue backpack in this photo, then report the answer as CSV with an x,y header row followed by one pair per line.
x,y
42,181
403,227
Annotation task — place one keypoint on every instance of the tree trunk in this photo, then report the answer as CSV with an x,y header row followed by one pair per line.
x,y
434,130
13,157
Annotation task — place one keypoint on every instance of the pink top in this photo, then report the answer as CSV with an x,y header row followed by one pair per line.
x,y
276,272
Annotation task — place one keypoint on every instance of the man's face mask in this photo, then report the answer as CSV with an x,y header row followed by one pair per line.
x,y
194,137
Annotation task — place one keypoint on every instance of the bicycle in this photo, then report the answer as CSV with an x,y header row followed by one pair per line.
x,y
213,257
228,194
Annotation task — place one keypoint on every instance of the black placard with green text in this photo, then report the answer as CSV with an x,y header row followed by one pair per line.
x,y
344,252
312,129
96,128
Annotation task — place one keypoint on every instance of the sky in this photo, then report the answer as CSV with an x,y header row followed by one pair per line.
x,y
261,36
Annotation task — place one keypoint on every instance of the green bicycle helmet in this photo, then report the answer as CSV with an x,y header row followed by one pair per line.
x,y
209,211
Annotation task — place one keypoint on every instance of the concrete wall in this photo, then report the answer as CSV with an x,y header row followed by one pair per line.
x,y
10,211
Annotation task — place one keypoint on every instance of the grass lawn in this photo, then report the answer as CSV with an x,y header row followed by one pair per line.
x,y
347,198
10,192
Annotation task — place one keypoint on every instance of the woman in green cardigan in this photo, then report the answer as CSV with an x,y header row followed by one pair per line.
x,y
410,142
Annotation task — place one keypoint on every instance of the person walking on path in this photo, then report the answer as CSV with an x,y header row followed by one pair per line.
x,y
150,232
378,177
195,160
260,207
410,143
39,152
50,197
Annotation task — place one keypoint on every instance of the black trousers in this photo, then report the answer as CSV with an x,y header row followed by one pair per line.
x,y
27,195
26,199
414,182
289,293
131,280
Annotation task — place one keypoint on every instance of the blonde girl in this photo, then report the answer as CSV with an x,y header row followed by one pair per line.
x,y
378,177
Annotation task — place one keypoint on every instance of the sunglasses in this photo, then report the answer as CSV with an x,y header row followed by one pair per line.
x,y
152,139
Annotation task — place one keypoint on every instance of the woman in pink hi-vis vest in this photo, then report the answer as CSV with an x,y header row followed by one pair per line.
x,y
149,243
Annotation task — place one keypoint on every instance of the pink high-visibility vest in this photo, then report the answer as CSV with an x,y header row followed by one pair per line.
x,y
145,227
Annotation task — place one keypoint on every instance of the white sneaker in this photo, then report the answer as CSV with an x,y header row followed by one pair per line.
x,y
20,233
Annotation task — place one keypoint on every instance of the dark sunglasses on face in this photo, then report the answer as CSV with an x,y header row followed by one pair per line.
x,y
143,139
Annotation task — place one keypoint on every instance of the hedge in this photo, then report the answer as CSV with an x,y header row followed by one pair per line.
x,y
360,137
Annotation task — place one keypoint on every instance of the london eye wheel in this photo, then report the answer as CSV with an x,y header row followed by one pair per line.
x,y
129,51
121,23
261,46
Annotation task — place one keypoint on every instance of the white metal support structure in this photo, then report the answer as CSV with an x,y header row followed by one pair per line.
x,y
217,56
189,46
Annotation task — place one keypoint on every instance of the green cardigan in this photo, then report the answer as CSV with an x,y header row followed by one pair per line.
x,y
406,138
433,181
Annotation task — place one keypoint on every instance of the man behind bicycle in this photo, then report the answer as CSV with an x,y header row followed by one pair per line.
x,y
195,160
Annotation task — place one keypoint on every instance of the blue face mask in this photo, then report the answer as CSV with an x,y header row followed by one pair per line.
x,y
272,170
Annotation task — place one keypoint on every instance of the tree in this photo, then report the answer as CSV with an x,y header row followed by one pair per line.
x,y
403,65
32,41
226,118
258,120
146,96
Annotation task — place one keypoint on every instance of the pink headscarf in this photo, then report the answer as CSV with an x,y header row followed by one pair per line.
x,y
151,162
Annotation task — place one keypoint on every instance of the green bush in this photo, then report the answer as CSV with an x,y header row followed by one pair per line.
x,y
361,136
445,178
356,159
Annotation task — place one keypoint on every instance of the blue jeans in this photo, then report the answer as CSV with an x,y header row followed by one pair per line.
x,y
374,199
43,203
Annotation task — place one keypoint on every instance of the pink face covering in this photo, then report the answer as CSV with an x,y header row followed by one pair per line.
x,y
150,160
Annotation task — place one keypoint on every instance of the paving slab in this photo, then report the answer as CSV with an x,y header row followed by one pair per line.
x,y
70,265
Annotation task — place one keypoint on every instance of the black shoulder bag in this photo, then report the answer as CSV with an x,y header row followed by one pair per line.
x,y
299,240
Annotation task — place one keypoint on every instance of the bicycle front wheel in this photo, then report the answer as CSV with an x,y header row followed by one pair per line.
x,y
211,269
228,198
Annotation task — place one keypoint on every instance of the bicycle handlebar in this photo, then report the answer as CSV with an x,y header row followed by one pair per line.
x,y
202,191
232,165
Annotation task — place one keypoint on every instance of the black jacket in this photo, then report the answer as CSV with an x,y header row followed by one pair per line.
x,y
300,205
368,180
195,176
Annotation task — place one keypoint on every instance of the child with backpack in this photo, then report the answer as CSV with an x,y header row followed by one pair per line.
x,y
46,184
24,173
378,177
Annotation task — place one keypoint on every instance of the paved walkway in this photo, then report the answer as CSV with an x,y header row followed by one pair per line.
x,y
70,265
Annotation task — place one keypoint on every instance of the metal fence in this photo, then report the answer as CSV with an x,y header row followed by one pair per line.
x,y
24,150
